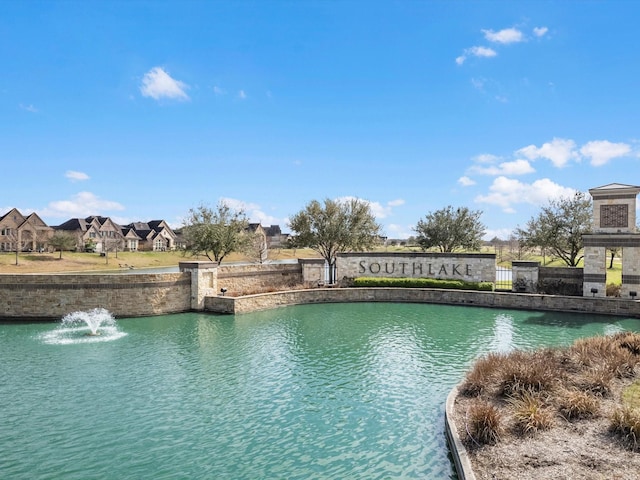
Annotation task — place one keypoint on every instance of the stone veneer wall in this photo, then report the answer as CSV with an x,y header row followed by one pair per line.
x,y
524,276
571,277
507,300
471,267
244,279
47,297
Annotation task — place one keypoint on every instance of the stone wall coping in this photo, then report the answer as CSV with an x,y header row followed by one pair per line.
x,y
197,265
416,255
458,451
320,261
522,263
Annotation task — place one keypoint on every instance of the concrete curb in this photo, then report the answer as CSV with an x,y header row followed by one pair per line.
x,y
458,450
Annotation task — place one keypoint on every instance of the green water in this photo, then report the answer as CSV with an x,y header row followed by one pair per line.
x,y
347,391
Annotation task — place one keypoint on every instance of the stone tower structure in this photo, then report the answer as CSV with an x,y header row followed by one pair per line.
x,y
614,226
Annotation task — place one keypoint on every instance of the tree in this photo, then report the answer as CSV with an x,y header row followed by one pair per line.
x,y
62,241
451,229
216,233
559,228
613,251
337,226
257,248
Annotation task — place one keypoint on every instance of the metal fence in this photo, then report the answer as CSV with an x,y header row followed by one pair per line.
x,y
503,279
326,273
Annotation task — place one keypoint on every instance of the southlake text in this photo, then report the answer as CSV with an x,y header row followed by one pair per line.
x,y
415,269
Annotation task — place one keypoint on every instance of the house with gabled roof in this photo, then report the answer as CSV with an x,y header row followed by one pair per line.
x,y
131,239
96,233
26,233
155,235
275,237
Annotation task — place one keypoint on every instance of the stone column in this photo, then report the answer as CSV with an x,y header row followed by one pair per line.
x,y
204,281
630,273
595,271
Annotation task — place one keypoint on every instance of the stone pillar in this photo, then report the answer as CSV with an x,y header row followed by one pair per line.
x,y
630,273
204,281
312,271
595,271
524,276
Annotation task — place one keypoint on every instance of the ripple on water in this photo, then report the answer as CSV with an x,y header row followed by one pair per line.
x,y
309,392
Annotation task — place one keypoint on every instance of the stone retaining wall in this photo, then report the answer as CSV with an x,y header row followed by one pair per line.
x,y
459,453
244,279
48,297
506,300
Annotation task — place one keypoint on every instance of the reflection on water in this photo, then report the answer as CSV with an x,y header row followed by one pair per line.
x,y
307,392
503,334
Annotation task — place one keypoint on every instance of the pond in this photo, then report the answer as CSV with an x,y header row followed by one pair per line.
x,y
307,392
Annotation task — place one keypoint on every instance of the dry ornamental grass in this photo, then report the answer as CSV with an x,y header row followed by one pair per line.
x,y
555,413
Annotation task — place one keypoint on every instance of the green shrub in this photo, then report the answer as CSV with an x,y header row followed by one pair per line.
x,y
559,287
421,283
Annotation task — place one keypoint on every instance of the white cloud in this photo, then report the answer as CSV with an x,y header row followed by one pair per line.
x,y
601,151
516,167
242,95
500,233
505,36
379,210
540,31
559,151
81,205
76,176
158,84
466,181
253,211
506,192
478,83
486,158
396,231
482,52
219,91
475,52
28,108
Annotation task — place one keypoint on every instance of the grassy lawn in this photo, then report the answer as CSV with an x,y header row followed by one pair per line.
x,y
79,262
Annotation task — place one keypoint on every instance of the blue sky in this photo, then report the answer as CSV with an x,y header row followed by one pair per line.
x,y
143,110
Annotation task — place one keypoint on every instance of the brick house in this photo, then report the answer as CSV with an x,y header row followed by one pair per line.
x,y
155,235
26,233
275,237
95,233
